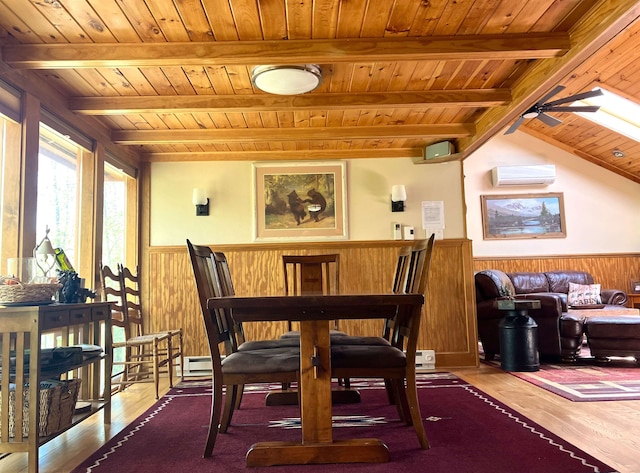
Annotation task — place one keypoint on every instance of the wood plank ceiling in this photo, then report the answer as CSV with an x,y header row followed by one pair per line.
x,y
172,78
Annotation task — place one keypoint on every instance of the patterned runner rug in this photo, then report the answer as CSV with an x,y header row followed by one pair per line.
x,y
586,380
468,431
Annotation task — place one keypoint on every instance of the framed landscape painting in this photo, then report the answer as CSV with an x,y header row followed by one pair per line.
x,y
523,216
300,201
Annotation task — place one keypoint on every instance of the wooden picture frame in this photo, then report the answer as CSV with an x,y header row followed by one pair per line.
x,y
519,216
635,287
300,201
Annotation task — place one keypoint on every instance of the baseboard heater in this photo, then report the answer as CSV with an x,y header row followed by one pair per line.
x,y
201,365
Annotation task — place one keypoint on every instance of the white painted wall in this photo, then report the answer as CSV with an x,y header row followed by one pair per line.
x,y
230,187
602,209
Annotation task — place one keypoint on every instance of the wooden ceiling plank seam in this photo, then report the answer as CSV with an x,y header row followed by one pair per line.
x,y
381,75
504,15
350,19
529,16
199,79
325,19
452,17
401,18
376,18
427,17
178,79
478,16
18,29
194,19
82,14
237,53
273,21
143,22
168,19
246,19
35,21
240,80
158,81
138,82
554,18
115,20
299,18
117,81
221,19
579,10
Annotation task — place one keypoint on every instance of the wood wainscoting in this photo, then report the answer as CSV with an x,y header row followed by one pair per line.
x,y
611,271
449,321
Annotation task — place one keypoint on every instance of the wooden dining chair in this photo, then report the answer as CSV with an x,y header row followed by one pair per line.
x,y
309,275
395,362
146,355
237,367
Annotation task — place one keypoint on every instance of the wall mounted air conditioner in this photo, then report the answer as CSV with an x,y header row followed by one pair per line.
x,y
534,175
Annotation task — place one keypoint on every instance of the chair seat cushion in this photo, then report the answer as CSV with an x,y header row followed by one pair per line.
x,y
271,360
357,340
269,344
363,356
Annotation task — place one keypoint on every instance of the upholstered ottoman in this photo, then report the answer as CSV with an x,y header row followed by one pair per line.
x,y
613,336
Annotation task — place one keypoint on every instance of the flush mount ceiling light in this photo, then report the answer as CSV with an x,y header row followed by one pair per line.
x,y
287,80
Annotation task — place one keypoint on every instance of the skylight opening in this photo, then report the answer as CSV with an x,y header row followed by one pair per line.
x,y
616,113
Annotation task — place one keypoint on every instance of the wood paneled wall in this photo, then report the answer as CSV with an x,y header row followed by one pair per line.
x,y
448,326
611,271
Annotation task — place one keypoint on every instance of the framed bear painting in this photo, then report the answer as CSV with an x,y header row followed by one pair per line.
x,y
300,201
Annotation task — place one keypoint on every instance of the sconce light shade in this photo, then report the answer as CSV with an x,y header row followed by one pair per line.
x,y
398,196
287,80
201,201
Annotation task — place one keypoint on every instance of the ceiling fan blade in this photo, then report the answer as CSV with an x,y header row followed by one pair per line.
x,y
515,126
548,119
580,108
556,90
574,98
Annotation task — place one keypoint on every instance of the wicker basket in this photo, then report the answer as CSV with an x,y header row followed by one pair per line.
x,y
57,405
27,293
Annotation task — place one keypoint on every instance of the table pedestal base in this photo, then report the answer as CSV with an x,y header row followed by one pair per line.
x,y
290,398
344,451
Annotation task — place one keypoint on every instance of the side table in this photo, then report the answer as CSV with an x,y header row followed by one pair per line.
x,y
518,335
634,300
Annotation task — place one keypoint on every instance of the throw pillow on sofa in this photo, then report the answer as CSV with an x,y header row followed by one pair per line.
x,y
583,294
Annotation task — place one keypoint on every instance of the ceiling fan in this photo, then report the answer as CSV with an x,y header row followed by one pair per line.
x,y
540,109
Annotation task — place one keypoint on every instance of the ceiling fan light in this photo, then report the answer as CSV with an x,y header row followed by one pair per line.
x,y
287,80
532,114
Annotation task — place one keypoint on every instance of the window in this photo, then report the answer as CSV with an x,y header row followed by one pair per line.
x,y
57,205
616,113
114,228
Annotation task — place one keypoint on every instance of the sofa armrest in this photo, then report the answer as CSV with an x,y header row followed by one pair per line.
x,y
613,296
551,304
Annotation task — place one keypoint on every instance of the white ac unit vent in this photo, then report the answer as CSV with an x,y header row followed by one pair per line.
x,y
534,175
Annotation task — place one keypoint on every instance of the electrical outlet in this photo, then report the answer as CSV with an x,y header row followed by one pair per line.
x,y
426,359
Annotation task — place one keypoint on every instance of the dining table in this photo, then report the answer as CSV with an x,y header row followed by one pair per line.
x,y
314,312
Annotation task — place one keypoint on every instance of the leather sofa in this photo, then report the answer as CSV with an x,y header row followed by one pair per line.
x,y
560,333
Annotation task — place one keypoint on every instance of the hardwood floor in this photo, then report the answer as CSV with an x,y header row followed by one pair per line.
x,y
610,431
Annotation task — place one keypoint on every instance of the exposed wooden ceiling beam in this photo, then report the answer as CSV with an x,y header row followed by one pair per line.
x,y
255,135
318,51
602,23
265,103
309,154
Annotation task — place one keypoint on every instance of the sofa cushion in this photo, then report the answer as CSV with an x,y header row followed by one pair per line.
x,y
559,280
583,294
526,283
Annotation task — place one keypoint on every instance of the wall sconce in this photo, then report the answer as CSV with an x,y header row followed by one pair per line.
x,y
398,196
201,201
45,255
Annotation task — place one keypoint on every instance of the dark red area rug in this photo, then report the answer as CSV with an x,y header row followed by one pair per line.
x,y
469,432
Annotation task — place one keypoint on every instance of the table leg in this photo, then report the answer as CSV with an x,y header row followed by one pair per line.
x,y
317,444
